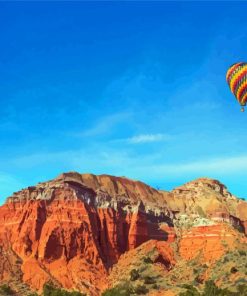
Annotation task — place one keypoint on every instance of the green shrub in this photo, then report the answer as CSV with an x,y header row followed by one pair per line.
x,y
191,291
211,289
120,290
147,260
234,269
225,260
134,275
141,290
242,253
242,290
199,279
195,270
149,280
6,290
155,287
241,280
50,290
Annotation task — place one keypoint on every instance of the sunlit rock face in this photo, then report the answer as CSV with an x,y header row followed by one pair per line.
x,y
74,229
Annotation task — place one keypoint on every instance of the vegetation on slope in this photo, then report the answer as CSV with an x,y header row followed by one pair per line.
x,y
210,289
50,290
6,290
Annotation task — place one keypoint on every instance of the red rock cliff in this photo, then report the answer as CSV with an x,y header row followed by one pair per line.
x,y
73,229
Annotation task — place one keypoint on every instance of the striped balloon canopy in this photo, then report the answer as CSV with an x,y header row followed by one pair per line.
x,y
236,78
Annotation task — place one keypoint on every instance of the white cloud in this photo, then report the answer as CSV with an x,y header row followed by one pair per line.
x,y
147,138
226,165
144,138
148,167
132,163
214,167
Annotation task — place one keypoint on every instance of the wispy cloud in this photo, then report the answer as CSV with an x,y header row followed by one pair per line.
x,y
132,163
212,166
151,168
147,138
104,124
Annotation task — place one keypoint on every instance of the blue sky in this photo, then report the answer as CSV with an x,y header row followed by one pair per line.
x,y
131,89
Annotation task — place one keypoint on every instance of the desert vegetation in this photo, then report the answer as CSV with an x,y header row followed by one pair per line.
x,y
50,290
6,290
210,289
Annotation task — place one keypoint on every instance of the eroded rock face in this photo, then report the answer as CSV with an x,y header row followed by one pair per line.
x,y
207,243
160,253
71,233
73,229
210,199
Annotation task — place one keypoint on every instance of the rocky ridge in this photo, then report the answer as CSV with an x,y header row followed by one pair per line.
x,y
74,229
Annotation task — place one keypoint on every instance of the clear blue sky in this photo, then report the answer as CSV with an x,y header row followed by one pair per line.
x,y
132,89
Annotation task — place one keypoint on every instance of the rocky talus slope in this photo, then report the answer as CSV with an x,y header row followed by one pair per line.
x,y
86,232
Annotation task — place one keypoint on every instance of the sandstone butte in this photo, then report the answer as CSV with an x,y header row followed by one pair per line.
x,y
80,231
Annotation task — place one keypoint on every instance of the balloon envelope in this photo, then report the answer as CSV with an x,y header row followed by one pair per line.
x,y
236,78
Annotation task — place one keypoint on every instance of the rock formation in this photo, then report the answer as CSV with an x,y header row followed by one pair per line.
x,y
72,231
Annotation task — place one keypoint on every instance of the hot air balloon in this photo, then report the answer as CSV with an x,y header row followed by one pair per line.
x,y
236,78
